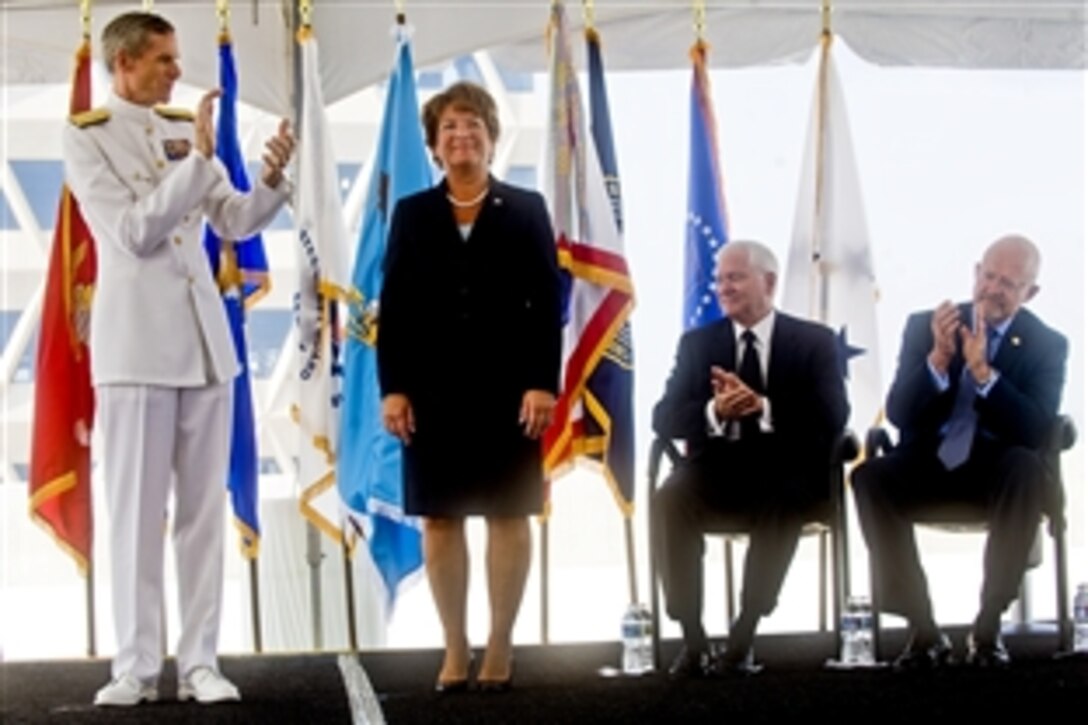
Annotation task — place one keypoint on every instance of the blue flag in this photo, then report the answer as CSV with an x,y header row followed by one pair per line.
x,y
706,229
369,467
241,268
609,422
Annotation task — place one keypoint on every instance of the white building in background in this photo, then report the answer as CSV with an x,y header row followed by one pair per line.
x,y
948,160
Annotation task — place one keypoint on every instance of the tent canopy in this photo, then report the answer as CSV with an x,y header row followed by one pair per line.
x,y
356,48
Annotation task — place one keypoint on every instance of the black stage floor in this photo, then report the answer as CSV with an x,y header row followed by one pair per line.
x,y
562,684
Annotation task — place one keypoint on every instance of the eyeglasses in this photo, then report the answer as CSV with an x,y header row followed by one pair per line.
x,y
1005,284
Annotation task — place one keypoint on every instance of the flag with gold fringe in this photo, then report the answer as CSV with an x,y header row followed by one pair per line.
x,y
60,456
323,283
241,268
598,293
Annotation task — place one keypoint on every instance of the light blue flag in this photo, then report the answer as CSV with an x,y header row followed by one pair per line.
x,y
707,228
242,271
369,467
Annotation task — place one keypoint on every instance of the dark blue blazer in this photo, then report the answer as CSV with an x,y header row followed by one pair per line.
x,y
1019,409
809,408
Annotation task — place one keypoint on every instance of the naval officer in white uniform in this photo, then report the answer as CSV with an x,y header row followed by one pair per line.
x,y
162,357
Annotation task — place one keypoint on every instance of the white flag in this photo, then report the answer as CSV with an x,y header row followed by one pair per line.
x,y
324,277
829,274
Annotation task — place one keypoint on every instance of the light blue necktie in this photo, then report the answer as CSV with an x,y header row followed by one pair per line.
x,y
960,434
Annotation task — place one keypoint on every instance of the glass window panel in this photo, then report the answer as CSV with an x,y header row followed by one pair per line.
x,y
266,331
41,182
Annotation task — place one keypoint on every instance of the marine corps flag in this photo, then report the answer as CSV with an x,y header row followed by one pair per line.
x,y
598,295
60,456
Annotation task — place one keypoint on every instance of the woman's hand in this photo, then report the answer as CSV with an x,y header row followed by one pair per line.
x,y
397,416
537,407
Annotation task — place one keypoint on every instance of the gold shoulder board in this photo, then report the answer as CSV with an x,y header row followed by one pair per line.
x,y
92,117
175,114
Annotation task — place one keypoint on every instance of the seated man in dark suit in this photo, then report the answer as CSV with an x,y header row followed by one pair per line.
x,y
758,398
976,390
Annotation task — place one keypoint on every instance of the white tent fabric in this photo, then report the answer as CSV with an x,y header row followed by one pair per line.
x,y
38,36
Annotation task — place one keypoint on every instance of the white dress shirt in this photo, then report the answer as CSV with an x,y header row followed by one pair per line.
x,y
762,331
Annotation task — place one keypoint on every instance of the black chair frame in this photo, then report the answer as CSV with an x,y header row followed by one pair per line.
x,y
1061,438
830,526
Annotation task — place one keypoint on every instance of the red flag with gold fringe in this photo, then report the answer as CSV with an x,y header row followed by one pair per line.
x,y
60,458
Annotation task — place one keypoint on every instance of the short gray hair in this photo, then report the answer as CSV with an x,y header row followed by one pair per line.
x,y
759,255
130,33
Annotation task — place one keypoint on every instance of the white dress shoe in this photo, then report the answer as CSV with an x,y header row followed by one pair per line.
x,y
125,691
205,685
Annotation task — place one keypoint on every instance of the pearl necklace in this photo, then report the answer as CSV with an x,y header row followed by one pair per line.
x,y
471,202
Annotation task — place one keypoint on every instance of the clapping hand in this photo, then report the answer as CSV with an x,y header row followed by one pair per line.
x,y
732,398
277,154
945,325
204,122
974,347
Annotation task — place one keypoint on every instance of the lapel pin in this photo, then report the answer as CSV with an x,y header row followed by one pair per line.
x,y
497,201
1015,341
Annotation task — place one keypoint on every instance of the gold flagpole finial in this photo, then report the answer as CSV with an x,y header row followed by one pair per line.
x,y
825,20
402,14
305,12
222,11
85,17
699,9
589,13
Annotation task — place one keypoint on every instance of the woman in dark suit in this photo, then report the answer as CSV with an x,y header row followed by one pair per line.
x,y
468,355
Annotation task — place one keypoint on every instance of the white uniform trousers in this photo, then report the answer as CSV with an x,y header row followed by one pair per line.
x,y
152,436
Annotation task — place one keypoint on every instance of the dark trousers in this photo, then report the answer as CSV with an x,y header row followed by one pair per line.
x,y
1006,485
733,490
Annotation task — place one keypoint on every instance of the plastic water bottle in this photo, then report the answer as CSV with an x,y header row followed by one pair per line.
x,y
638,632
1080,619
857,632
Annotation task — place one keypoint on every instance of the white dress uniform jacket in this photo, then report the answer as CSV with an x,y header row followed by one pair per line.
x,y
145,190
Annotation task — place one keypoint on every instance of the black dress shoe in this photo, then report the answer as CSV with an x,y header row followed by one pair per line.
x,y
691,663
986,651
736,662
924,653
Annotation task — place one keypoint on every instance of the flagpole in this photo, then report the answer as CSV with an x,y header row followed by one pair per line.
x,y
821,305
255,605
92,649
302,12
628,524
820,290
92,644
349,590
545,637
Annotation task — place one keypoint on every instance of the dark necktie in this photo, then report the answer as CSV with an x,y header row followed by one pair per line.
x,y
962,424
750,374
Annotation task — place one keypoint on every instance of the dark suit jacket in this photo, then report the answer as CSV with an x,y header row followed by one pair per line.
x,y
465,328
1019,409
491,302
804,386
